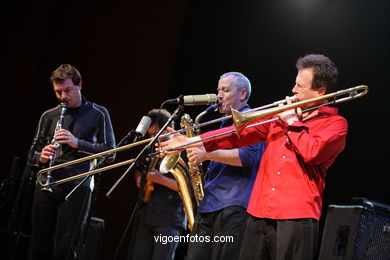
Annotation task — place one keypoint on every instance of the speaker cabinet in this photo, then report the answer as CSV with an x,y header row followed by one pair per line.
x,y
355,232
94,239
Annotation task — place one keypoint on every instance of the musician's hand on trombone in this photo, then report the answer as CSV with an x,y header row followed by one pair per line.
x,y
197,155
64,136
177,141
46,153
292,115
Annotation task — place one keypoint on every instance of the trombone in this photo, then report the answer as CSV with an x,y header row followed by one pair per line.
x,y
241,120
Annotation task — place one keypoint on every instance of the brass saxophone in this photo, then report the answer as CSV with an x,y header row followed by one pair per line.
x,y
179,173
194,169
177,167
149,187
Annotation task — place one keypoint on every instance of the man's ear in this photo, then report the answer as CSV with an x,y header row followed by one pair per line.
x,y
321,91
80,84
243,94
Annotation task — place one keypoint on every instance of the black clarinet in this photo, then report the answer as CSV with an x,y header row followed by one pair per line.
x,y
60,123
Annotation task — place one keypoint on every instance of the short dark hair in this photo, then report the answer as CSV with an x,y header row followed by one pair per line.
x,y
240,81
324,70
66,71
159,117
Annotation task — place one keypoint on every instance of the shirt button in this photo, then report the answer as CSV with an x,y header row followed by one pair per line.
x,y
273,189
288,132
278,173
287,140
284,157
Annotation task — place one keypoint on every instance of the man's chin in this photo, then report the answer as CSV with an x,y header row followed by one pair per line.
x,y
224,110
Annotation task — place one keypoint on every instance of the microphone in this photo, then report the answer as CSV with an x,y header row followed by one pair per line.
x,y
142,127
194,100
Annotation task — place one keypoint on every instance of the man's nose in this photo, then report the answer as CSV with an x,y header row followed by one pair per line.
x,y
64,96
294,89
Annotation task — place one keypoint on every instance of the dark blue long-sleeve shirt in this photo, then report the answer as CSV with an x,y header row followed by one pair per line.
x,y
228,185
90,124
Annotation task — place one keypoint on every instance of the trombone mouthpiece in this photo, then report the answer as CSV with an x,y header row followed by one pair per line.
x,y
283,101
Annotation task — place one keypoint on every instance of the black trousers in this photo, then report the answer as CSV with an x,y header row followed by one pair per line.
x,y
230,221
280,239
56,223
147,248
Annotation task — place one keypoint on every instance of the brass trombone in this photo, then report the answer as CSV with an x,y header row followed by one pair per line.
x,y
241,120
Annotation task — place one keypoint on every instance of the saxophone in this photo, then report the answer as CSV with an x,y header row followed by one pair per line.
x,y
149,187
177,167
179,173
194,169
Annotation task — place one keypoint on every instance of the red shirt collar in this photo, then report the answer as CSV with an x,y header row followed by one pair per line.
x,y
328,110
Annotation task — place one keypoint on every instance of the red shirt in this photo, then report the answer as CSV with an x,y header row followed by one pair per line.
x,y
291,177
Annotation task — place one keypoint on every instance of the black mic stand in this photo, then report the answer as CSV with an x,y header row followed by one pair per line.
x,y
136,213
21,212
142,155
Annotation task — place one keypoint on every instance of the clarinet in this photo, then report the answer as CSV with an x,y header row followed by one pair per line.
x,y
60,122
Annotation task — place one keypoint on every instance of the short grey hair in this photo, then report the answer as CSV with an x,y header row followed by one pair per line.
x,y
240,81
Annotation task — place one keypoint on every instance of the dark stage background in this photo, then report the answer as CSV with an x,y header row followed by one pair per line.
x,y
133,55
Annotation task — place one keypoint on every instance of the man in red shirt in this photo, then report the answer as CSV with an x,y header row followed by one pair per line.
x,y
286,199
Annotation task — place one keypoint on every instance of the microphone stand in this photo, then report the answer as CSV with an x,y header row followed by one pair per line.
x,y
141,155
135,221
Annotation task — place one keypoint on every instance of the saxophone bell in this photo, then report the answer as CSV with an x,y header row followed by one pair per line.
x,y
169,162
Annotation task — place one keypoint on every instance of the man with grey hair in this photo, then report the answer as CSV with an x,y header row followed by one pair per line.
x,y
230,178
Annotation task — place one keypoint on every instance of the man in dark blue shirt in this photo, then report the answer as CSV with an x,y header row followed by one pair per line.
x,y
86,128
228,186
